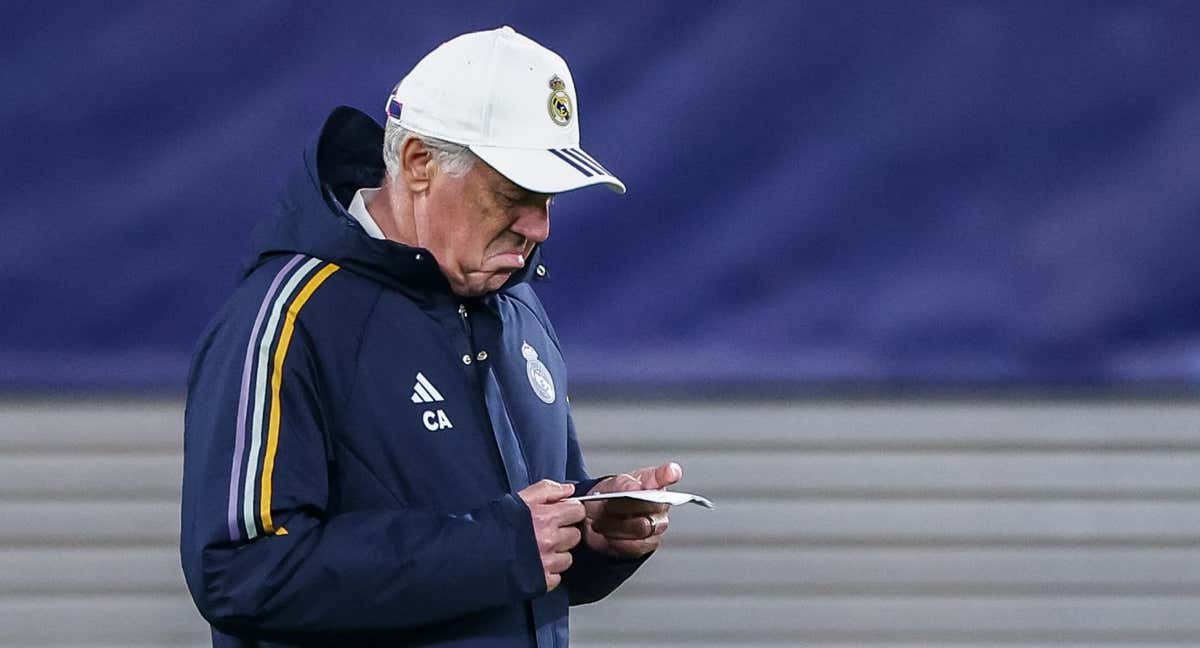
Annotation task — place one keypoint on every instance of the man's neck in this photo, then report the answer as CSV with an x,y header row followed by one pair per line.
x,y
384,210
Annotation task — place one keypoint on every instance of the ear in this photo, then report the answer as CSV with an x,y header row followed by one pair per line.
x,y
415,165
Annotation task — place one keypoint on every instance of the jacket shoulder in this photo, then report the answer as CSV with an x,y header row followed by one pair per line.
x,y
307,298
307,289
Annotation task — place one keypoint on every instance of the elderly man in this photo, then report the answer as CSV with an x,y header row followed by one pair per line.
x,y
378,444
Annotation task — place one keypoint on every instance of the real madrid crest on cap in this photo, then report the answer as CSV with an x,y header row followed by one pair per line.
x,y
560,102
539,375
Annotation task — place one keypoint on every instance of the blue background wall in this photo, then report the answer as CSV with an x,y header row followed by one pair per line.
x,y
863,195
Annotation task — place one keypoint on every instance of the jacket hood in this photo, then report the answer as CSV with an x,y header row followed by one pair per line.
x,y
311,216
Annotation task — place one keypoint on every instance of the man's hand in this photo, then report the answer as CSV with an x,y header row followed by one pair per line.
x,y
629,528
554,525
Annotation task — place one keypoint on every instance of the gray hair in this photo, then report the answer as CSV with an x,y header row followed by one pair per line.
x,y
452,159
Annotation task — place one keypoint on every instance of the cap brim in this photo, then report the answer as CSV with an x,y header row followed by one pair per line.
x,y
548,170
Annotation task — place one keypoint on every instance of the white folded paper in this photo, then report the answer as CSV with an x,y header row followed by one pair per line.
x,y
674,498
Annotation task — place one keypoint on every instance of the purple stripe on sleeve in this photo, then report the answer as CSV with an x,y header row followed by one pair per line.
x,y
241,432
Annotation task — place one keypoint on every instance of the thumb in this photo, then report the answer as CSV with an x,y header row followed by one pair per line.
x,y
662,476
547,491
620,483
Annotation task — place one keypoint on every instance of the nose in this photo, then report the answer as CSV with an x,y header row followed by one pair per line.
x,y
533,222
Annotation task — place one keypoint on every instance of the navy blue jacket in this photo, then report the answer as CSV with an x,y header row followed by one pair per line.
x,y
355,435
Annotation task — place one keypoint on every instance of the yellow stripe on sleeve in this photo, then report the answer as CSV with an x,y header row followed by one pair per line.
x,y
285,340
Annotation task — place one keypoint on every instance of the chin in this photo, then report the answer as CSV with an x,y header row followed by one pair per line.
x,y
492,283
497,282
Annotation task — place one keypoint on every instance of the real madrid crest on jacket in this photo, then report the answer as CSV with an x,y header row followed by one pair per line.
x,y
539,377
356,434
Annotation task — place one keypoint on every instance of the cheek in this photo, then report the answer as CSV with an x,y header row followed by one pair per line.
x,y
472,237
450,221
489,228
469,228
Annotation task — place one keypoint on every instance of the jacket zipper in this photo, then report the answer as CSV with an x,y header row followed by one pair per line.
x,y
462,313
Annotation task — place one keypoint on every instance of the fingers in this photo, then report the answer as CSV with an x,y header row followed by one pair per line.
x,y
550,518
557,533
631,507
559,539
614,484
559,560
650,478
568,513
640,527
618,483
635,548
656,477
623,528
668,474
554,525
566,538
546,491
557,563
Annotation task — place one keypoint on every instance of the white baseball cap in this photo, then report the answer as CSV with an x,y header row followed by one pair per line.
x,y
510,101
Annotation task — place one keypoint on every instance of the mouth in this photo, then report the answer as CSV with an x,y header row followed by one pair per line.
x,y
512,253
509,260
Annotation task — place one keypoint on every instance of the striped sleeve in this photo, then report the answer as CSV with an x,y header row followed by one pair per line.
x,y
259,418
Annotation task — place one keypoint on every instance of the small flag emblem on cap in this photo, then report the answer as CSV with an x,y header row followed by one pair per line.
x,y
394,107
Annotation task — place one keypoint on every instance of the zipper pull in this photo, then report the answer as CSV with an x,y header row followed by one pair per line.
x,y
462,314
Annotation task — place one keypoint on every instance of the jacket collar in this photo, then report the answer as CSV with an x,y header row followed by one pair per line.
x,y
312,218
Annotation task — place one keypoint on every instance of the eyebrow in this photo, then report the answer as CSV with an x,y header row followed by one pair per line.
x,y
515,192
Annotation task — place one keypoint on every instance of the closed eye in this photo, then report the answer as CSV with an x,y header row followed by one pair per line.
x,y
511,195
